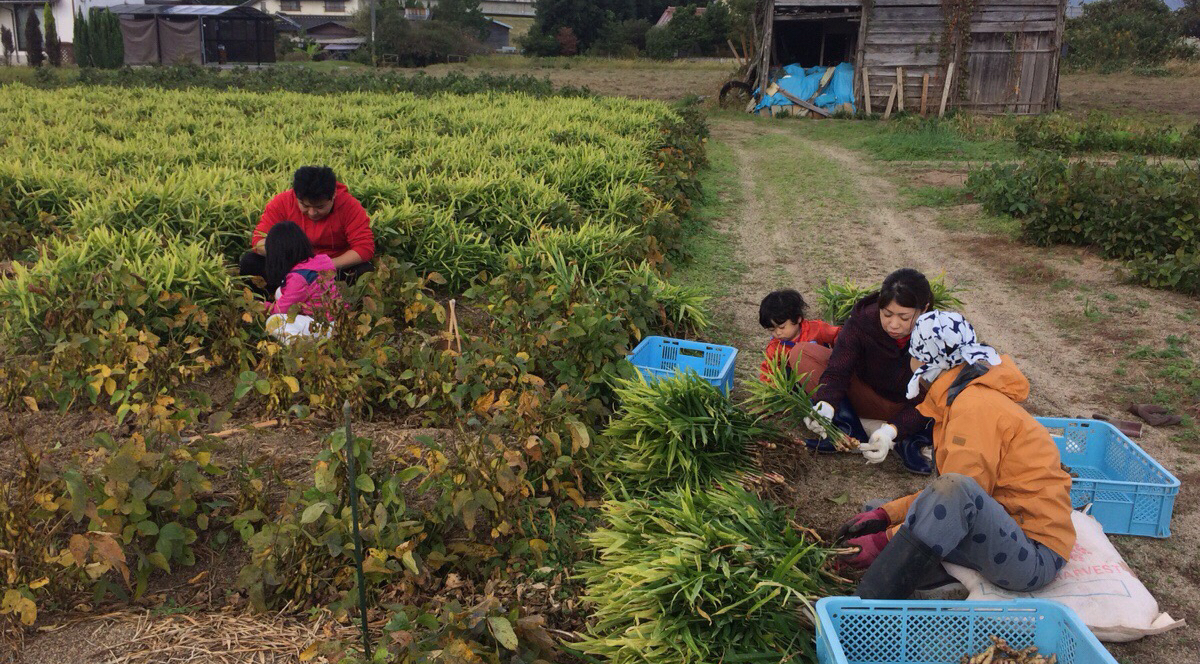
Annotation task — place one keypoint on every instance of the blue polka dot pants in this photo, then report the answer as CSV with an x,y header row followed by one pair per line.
x,y
965,526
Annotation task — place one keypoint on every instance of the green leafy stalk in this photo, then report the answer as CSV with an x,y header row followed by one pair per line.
x,y
836,300
675,431
703,576
782,396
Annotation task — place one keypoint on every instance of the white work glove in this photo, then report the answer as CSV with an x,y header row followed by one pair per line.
x,y
882,441
824,410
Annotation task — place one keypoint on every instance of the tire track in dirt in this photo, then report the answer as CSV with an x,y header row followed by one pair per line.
x,y
1005,316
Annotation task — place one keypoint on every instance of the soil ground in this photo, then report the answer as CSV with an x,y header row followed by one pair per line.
x,y
799,210
620,78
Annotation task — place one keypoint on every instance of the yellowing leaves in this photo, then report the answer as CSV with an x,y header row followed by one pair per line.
x,y
19,605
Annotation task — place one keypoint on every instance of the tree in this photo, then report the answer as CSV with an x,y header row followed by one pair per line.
x,y
1120,33
584,17
1189,17
33,40
465,14
6,40
568,43
53,44
106,49
622,38
416,43
83,54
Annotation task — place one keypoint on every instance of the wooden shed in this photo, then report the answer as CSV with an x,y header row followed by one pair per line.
x,y
1001,56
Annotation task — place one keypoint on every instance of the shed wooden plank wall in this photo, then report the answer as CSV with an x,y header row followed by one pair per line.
x,y
1011,58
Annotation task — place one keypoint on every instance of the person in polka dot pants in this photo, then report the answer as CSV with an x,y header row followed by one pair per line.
x,y
1001,504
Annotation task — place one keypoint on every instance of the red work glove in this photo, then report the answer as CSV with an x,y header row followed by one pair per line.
x,y
864,523
869,547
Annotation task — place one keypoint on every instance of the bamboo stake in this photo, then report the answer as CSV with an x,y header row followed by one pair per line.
x,y
866,90
924,93
452,333
887,113
899,89
946,89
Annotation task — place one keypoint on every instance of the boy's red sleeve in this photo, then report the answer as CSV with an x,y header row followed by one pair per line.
x,y
826,333
358,230
274,213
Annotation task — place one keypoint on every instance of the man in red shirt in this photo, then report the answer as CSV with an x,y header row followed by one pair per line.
x,y
334,221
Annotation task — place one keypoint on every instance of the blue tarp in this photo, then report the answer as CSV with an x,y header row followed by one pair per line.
x,y
802,83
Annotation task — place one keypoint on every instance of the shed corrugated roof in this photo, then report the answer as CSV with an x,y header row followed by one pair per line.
x,y
188,10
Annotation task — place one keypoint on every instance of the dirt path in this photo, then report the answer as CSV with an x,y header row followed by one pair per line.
x,y
815,210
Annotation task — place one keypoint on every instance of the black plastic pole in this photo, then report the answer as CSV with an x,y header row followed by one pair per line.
x,y
352,476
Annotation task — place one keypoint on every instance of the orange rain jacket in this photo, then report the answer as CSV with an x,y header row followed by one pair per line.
x,y
985,435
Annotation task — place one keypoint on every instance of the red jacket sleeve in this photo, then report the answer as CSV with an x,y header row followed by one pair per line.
x,y
826,334
275,212
358,229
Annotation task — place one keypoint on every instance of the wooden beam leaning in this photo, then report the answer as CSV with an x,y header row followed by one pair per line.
x,y
866,79
924,93
887,113
899,89
946,89
803,104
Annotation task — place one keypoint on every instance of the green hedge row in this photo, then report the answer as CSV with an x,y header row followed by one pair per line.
x,y
1147,214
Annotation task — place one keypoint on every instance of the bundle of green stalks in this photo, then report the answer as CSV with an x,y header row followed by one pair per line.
x,y
678,431
781,399
836,300
700,577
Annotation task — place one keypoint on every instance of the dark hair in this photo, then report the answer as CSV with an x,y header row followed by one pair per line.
x,y
287,246
908,288
314,183
780,306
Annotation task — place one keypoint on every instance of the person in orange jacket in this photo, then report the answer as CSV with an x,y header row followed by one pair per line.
x,y
782,313
1002,504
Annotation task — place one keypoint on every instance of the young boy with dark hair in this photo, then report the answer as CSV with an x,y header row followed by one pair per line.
x,y
782,312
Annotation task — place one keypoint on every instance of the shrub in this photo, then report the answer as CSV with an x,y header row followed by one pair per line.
x,y
6,42
33,41
625,39
1115,34
106,523
1131,210
695,576
1102,133
53,44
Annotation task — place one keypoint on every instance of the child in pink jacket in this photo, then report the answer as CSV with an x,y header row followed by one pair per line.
x,y
303,283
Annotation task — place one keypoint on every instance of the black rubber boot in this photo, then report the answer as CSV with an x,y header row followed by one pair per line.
x,y
899,569
910,451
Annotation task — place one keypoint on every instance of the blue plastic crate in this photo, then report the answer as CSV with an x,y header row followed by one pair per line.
x,y
856,631
1130,492
663,357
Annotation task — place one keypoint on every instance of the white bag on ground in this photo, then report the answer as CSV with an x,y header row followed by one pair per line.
x,y
1095,583
279,327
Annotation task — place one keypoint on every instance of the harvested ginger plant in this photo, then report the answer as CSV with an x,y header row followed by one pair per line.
x,y
1002,653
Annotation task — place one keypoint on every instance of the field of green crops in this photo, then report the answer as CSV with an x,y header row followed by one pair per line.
x,y
541,227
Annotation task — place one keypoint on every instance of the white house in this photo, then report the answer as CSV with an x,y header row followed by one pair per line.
x,y
13,15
